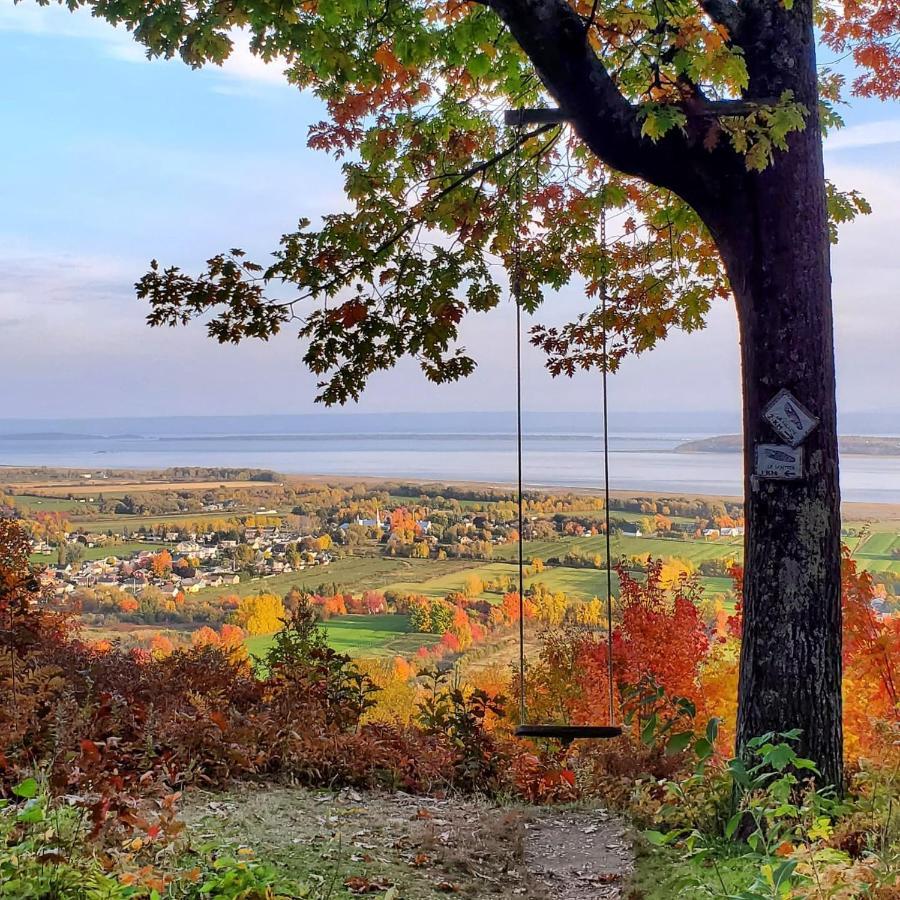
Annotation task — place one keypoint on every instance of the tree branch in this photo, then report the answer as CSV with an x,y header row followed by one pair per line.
x,y
552,35
725,13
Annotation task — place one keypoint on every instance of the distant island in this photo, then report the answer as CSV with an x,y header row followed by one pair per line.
x,y
855,445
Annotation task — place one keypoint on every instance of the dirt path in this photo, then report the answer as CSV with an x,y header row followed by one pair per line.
x,y
424,848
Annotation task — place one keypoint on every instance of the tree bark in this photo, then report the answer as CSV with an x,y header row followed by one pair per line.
x,y
775,246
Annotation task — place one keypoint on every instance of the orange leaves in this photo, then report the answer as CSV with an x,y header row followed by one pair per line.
x,y
868,29
871,675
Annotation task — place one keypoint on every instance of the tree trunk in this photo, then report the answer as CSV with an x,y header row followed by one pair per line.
x,y
776,250
772,231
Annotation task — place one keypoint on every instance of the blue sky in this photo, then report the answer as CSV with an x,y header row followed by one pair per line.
x,y
109,160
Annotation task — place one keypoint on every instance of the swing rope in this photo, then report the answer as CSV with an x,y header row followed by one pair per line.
x,y
565,733
517,295
609,630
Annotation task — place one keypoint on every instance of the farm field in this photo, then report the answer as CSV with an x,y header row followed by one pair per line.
x,y
35,503
579,584
877,553
172,520
363,636
694,551
353,573
125,549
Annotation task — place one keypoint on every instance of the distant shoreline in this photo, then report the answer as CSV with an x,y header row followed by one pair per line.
x,y
853,510
851,445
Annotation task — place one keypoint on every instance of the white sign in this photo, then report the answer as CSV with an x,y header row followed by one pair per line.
x,y
793,421
779,461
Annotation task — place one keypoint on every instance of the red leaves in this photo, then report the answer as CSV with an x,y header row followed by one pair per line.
x,y
90,751
351,313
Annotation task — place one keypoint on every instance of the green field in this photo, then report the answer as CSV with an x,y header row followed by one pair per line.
x,y
694,551
33,503
353,573
120,551
363,636
877,553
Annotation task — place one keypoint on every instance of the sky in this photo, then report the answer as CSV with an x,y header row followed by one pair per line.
x,y
109,160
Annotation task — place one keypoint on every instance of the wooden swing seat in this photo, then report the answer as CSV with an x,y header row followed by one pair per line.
x,y
565,734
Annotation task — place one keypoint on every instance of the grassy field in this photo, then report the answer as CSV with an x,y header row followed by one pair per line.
x,y
694,551
354,574
120,551
117,524
33,503
363,636
877,553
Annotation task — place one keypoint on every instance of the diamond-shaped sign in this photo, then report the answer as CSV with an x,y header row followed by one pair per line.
x,y
779,461
790,418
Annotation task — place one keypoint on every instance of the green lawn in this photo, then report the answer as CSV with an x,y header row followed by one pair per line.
x,y
580,584
363,636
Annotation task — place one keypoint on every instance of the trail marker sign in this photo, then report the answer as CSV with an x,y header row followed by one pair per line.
x,y
779,461
787,415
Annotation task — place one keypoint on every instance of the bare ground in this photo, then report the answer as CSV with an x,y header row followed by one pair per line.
x,y
423,848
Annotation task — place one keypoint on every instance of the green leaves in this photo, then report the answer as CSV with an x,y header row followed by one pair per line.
x,y
445,206
27,789
658,119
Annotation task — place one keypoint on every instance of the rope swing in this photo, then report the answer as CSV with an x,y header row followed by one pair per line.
x,y
563,733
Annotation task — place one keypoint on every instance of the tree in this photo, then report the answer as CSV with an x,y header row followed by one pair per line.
x,y
260,614
161,564
700,121
473,586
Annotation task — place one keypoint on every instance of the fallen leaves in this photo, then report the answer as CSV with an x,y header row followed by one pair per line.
x,y
359,884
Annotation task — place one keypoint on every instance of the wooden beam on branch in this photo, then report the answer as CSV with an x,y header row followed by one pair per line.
x,y
519,118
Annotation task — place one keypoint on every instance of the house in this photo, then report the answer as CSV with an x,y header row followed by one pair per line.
x,y
192,585
189,548
631,529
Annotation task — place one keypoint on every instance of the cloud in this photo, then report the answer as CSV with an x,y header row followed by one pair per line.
x,y
119,44
866,134
51,288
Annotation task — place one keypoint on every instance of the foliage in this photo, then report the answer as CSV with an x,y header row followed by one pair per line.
x,y
260,613
46,854
412,94
786,824
463,716
301,659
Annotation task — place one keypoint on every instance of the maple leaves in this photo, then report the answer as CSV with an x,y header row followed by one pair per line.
x,y
868,29
413,94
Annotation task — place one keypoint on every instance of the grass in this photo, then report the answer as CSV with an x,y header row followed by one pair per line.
x,y
580,584
693,551
362,636
120,551
33,503
664,875
353,574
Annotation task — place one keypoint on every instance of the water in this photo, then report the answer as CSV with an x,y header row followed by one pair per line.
x,y
560,450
